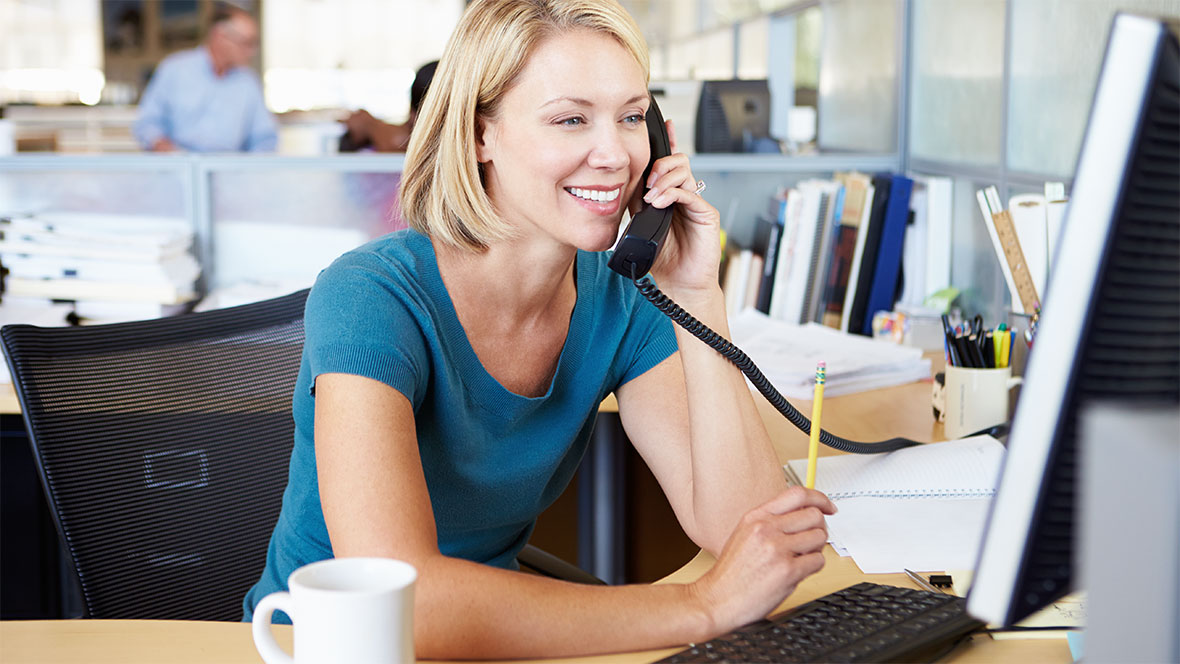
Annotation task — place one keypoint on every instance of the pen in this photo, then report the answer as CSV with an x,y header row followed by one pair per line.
x,y
821,371
922,583
966,359
949,336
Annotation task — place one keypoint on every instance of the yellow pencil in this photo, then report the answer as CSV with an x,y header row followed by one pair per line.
x,y
821,371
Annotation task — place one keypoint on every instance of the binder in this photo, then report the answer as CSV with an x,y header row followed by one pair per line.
x,y
888,266
858,318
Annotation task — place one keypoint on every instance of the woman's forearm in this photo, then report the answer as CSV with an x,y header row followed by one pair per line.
x,y
734,466
465,610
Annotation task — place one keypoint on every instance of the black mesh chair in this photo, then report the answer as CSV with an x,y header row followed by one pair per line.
x,y
163,448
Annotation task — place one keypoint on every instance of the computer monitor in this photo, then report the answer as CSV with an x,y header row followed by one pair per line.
x,y
1109,330
734,116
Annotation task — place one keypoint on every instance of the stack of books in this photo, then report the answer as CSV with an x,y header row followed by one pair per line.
x,y
836,251
110,267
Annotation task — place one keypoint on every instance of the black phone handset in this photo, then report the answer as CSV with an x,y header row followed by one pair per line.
x,y
636,250
633,257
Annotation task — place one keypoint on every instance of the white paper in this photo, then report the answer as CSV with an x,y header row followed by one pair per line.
x,y
787,354
888,535
965,468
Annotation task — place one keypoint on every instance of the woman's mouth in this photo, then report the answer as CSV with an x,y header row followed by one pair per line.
x,y
598,201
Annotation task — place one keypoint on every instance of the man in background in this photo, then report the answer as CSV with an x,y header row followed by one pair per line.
x,y
207,99
363,131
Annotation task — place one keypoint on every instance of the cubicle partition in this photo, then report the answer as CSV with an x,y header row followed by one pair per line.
x,y
276,219
256,219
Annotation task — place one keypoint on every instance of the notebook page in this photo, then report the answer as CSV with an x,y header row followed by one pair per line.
x,y
965,468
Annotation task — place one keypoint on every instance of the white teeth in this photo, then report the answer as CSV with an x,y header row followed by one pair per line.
x,y
594,195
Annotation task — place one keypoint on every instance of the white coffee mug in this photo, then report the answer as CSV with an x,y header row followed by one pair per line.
x,y
976,399
345,611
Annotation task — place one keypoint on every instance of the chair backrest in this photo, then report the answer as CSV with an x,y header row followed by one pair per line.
x,y
163,448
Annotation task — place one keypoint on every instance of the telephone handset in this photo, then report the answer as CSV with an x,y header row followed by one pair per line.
x,y
636,250
633,257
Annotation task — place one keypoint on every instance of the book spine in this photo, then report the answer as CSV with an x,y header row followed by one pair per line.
x,y
766,284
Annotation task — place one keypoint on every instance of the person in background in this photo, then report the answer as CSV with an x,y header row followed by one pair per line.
x,y
452,371
207,99
362,130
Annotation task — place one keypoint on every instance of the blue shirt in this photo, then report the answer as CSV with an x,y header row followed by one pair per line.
x,y
190,105
493,460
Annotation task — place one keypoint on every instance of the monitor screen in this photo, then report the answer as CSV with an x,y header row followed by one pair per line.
x,y
734,116
1110,326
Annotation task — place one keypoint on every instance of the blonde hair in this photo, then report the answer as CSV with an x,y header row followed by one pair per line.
x,y
442,191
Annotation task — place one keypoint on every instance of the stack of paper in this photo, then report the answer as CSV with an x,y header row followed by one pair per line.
x,y
112,267
921,508
787,355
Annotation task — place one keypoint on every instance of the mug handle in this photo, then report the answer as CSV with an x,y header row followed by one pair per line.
x,y
1014,381
264,640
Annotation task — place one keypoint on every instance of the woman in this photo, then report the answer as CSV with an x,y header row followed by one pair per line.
x,y
452,372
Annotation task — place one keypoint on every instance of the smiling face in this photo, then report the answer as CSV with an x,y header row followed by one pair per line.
x,y
568,145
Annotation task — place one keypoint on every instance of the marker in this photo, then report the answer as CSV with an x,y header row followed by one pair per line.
x,y
821,371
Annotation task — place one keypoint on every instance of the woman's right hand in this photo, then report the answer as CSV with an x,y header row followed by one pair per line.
x,y
773,548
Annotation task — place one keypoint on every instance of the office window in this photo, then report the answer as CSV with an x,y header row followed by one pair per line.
x,y
858,77
753,37
50,52
665,21
351,53
1057,50
956,97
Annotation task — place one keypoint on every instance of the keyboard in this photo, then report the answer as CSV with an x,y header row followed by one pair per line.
x,y
868,622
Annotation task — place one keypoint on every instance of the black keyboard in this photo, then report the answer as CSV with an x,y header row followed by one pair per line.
x,y
868,622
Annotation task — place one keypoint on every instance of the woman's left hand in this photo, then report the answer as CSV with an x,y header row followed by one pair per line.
x,y
691,254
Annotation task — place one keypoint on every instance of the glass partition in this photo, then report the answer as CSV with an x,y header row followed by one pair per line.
x,y
858,76
281,221
956,97
157,187
1056,53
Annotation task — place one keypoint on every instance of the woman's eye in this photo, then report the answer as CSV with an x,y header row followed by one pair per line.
x,y
638,118
570,122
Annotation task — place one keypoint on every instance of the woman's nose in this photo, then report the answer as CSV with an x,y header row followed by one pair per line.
x,y
609,151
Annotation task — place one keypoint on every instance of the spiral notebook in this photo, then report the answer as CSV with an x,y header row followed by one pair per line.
x,y
965,468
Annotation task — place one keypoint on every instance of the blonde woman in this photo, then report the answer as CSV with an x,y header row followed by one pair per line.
x,y
452,372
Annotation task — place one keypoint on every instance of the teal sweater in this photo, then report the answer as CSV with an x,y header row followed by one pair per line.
x,y
493,460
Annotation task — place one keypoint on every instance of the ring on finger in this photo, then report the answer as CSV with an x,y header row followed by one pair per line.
x,y
700,187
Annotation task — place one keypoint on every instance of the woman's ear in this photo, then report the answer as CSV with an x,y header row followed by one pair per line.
x,y
485,140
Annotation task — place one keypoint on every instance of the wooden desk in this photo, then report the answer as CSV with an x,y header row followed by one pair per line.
x,y
180,642
8,403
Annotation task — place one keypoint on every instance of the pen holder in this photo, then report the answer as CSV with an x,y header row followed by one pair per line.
x,y
975,399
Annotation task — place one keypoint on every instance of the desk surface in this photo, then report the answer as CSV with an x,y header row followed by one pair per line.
x,y
8,403
180,642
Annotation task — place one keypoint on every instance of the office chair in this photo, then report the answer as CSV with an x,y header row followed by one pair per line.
x,y
163,448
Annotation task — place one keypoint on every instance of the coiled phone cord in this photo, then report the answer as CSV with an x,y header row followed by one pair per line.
x,y
751,371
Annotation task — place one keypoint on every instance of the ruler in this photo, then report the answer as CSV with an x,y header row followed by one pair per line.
x,y
1010,243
